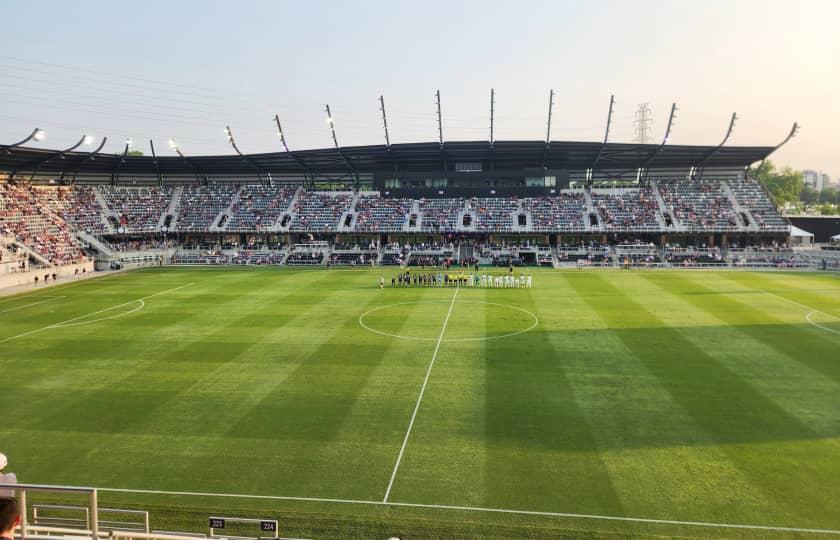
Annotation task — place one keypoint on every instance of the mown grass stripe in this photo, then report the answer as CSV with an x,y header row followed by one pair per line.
x,y
728,409
654,450
805,393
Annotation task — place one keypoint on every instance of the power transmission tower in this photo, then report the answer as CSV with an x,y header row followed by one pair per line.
x,y
643,123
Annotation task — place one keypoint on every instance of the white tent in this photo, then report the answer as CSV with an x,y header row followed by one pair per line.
x,y
800,237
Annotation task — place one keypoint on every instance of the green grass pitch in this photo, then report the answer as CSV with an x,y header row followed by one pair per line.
x,y
691,396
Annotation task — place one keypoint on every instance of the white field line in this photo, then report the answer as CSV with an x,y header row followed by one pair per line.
x,y
808,315
479,509
141,305
808,318
417,338
420,396
68,321
51,299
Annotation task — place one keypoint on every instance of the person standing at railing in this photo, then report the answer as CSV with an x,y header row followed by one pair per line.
x,y
6,478
9,517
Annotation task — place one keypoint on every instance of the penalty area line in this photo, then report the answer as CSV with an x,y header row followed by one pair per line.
x,y
818,325
420,397
807,315
68,321
50,299
597,517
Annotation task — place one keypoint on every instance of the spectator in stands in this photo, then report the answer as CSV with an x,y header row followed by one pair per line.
x,y
6,478
9,517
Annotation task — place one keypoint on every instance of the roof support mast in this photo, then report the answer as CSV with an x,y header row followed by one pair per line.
x,y
347,162
793,131
174,146
492,122
37,134
644,169
439,119
387,136
307,171
157,167
590,172
37,164
384,121
440,131
701,167
548,129
115,174
245,158
492,114
89,157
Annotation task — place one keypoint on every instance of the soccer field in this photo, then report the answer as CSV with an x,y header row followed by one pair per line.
x,y
683,396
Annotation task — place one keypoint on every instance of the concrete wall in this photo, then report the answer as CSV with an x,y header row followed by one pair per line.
x,y
14,279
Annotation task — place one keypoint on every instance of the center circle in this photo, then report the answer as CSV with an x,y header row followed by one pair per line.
x,y
469,320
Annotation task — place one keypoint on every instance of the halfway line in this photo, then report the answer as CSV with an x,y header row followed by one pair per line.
x,y
420,397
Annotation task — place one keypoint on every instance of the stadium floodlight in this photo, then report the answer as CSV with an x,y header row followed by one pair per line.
x,y
39,134
88,140
128,143
173,144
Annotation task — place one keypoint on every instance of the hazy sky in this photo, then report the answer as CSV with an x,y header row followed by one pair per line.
x,y
161,69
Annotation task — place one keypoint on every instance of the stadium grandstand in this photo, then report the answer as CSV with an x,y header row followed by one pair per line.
x,y
66,208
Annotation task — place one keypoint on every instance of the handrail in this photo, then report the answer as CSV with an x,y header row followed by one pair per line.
x,y
24,488
67,531
117,535
144,525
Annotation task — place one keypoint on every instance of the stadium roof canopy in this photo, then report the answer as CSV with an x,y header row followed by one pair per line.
x,y
407,158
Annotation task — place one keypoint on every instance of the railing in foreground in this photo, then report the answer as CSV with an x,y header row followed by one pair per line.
x,y
90,526
40,517
22,490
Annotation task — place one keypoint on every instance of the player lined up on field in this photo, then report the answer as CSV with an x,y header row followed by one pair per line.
x,y
483,280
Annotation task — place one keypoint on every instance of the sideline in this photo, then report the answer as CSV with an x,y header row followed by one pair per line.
x,y
483,509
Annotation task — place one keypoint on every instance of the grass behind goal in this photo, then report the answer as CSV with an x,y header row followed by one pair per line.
x,y
675,395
